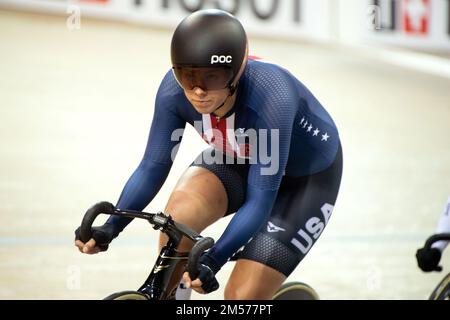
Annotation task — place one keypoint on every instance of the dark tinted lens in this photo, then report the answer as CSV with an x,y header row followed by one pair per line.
x,y
205,78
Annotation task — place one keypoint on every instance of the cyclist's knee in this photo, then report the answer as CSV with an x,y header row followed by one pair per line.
x,y
183,203
251,280
198,200
233,292
243,292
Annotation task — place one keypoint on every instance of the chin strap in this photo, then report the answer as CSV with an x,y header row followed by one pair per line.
x,y
232,91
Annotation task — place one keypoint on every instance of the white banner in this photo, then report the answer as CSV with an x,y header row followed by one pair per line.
x,y
277,18
421,24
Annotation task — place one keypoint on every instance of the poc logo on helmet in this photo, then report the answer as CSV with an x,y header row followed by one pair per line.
x,y
221,59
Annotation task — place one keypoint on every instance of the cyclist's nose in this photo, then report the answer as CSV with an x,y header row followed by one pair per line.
x,y
199,91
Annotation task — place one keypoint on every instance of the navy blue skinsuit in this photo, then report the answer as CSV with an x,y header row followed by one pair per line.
x,y
268,97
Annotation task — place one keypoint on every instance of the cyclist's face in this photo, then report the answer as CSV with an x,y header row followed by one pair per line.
x,y
206,88
206,101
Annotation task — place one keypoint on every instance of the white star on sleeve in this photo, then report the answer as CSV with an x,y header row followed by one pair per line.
x,y
309,128
325,136
316,132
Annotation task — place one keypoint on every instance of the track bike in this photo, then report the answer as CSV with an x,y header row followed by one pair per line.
x,y
160,285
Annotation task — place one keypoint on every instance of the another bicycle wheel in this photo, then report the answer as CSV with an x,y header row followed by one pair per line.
x,y
127,295
442,291
295,291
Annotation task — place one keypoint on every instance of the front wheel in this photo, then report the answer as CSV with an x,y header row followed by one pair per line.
x,y
295,291
127,295
442,291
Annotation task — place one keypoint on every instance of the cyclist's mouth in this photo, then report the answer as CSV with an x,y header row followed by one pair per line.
x,y
202,103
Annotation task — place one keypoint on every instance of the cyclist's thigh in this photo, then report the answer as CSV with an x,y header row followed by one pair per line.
x,y
233,176
198,199
206,192
300,213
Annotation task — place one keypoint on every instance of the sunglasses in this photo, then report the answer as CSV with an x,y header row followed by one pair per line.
x,y
203,77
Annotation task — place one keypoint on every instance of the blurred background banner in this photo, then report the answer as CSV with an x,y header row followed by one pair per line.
x,y
420,24
292,18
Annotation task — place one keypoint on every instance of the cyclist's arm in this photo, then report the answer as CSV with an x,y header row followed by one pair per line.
x,y
151,173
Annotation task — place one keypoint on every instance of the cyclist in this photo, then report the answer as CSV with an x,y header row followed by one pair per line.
x,y
428,260
274,160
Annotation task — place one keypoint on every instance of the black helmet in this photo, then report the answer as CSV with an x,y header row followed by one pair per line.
x,y
209,49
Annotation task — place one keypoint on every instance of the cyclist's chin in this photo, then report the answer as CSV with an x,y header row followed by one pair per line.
x,y
203,107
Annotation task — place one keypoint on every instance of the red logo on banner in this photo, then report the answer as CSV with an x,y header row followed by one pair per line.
x,y
95,1
416,16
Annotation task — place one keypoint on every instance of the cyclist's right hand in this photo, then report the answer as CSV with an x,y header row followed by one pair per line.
x,y
428,259
101,238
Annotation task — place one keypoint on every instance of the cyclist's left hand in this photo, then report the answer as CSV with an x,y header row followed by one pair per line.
x,y
195,285
206,281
